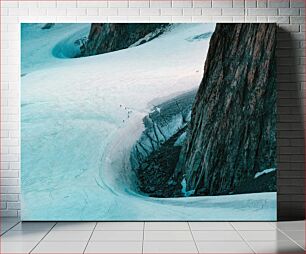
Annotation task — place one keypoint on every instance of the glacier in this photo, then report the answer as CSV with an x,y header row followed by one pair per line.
x,y
76,133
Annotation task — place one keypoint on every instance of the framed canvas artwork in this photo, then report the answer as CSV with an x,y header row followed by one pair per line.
x,y
139,121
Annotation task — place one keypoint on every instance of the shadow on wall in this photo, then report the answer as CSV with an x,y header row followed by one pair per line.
x,y
290,130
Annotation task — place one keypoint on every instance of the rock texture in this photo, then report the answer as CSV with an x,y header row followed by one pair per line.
x,y
108,37
232,133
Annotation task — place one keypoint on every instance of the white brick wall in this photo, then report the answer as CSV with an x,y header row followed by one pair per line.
x,y
291,66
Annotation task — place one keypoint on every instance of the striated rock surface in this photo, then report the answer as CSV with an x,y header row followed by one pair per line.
x,y
232,133
108,37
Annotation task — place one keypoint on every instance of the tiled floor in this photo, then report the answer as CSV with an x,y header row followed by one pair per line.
x,y
152,237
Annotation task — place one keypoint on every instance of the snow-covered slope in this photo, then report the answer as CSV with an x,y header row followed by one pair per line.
x,y
77,136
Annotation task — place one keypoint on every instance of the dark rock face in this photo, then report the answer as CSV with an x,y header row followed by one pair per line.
x,y
104,38
155,155
232,133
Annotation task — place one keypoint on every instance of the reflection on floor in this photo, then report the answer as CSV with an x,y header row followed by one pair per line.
x,y
152,237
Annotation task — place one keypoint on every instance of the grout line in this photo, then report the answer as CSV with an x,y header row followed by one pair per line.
x,y
290,238
143,232
42,238
246,242
90,237
10,228
193,237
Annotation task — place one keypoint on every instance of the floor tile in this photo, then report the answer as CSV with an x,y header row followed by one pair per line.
x,y
114,247
223,247
33,226
168,236
290,225
276,247
17,247
211,226
274,235
120,226
296,235
100,236
216,236
69,236
5,226
22,236
253,226
166,226
60,247
169,247
63,226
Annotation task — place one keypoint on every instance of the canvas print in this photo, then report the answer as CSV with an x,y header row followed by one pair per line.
x,y
151,122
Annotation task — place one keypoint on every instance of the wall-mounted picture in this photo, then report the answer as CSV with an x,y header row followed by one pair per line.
x,y
148,121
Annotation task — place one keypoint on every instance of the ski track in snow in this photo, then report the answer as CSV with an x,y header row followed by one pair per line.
x,y
76,137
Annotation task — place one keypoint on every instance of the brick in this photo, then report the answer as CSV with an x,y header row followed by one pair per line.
x,y
57,11
76,11
289,28
120,3
182,3
238,3
47,4
192,11
202,19
128,12
222,3
134,19
14,165
10,189
278,3
28,4
239,19
181,19
160,4
108,11
9,197
139,3
150,11
93,4
172,11
233,12
66,4
250,19
13,206
222,19
262,3
2,205
297,20
262,12
9,157
289,11
9,4
92,11
250,4
9,173
38,11
160,19
212,12
119,19
202,3
262,19
9,213
18,12
297,3
9,181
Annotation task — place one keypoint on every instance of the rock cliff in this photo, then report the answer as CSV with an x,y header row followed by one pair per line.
x,y
232,133
108,37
